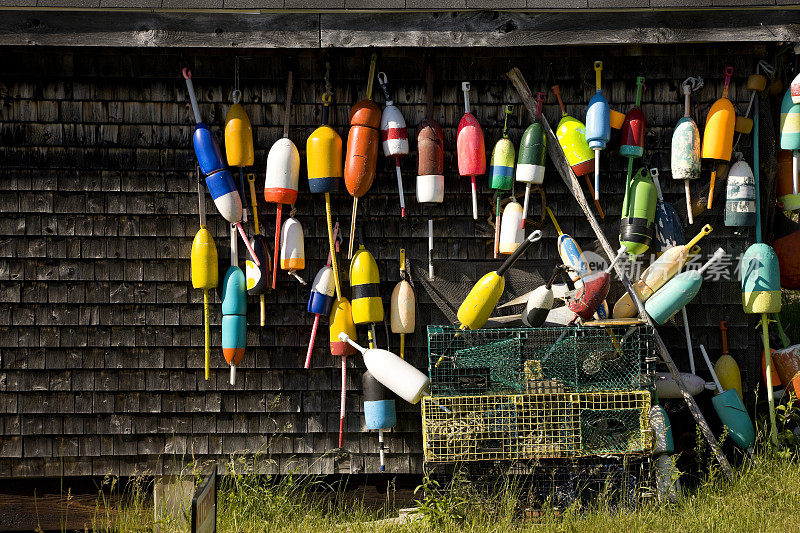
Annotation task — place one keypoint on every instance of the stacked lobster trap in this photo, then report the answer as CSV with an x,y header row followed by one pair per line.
x,y
558,395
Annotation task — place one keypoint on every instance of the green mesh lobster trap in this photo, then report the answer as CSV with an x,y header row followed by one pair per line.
x,y
540,360
535,426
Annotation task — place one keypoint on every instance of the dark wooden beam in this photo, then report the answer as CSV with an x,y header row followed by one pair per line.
x,y
142,29
391,29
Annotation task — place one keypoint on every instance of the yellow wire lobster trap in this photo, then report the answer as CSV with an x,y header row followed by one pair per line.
x,y
535,426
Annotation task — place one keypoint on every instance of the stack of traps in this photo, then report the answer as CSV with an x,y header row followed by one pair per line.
x,y
533,393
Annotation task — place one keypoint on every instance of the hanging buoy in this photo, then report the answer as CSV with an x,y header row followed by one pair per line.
x,y
394,136
787,200
258,275
790,134
511,232
361,157
633,130
718,134
218,179
283,175
657,275
430,170
685,154
571,135
669,232
638,213
234,315
532,155
678,292
320,301
205,271
325,171
740,196
365,282
470,148
380,411
341,323
501,173
598,125
293,252
403,306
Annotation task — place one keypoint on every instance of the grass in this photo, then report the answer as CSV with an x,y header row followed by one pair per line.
x,y
764,496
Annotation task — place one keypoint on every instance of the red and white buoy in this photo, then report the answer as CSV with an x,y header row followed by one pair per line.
x,y
394,136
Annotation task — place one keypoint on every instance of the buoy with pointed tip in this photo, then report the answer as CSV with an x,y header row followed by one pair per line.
x,y
392,372
598,125
380,411
321,299
638,213
218,178
678,291
394,136
632,140
474,311
403,306
470,148
532,155
511,228
669,232
571,135
430,170
685,153
361,157
501,173
731,411
258,275
205,271
718,133
283,176
740,196
293,252
657,275
540,302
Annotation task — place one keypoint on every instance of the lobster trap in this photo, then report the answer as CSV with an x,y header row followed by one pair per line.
x,y
622,481
540,360
535,426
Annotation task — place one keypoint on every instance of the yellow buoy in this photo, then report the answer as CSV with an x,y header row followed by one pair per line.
x,y
238,135
205,271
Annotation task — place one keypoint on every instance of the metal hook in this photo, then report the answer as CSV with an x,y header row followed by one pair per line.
x,y
237,96
693,84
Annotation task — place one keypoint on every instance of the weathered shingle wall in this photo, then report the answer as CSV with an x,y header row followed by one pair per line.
x,y
100,330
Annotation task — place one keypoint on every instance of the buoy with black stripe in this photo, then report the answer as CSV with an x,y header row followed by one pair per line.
x,y
380,411
365,289
638,213
283,177
218,178
532,155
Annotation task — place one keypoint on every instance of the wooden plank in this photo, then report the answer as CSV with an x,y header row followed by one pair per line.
x,y
420,29
141,29
571,181
493,28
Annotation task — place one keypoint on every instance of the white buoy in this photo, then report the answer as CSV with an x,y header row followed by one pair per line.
x,y
293,254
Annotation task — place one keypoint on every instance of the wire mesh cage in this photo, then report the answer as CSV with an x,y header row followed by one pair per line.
x,y
540,360
534,426
620,480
